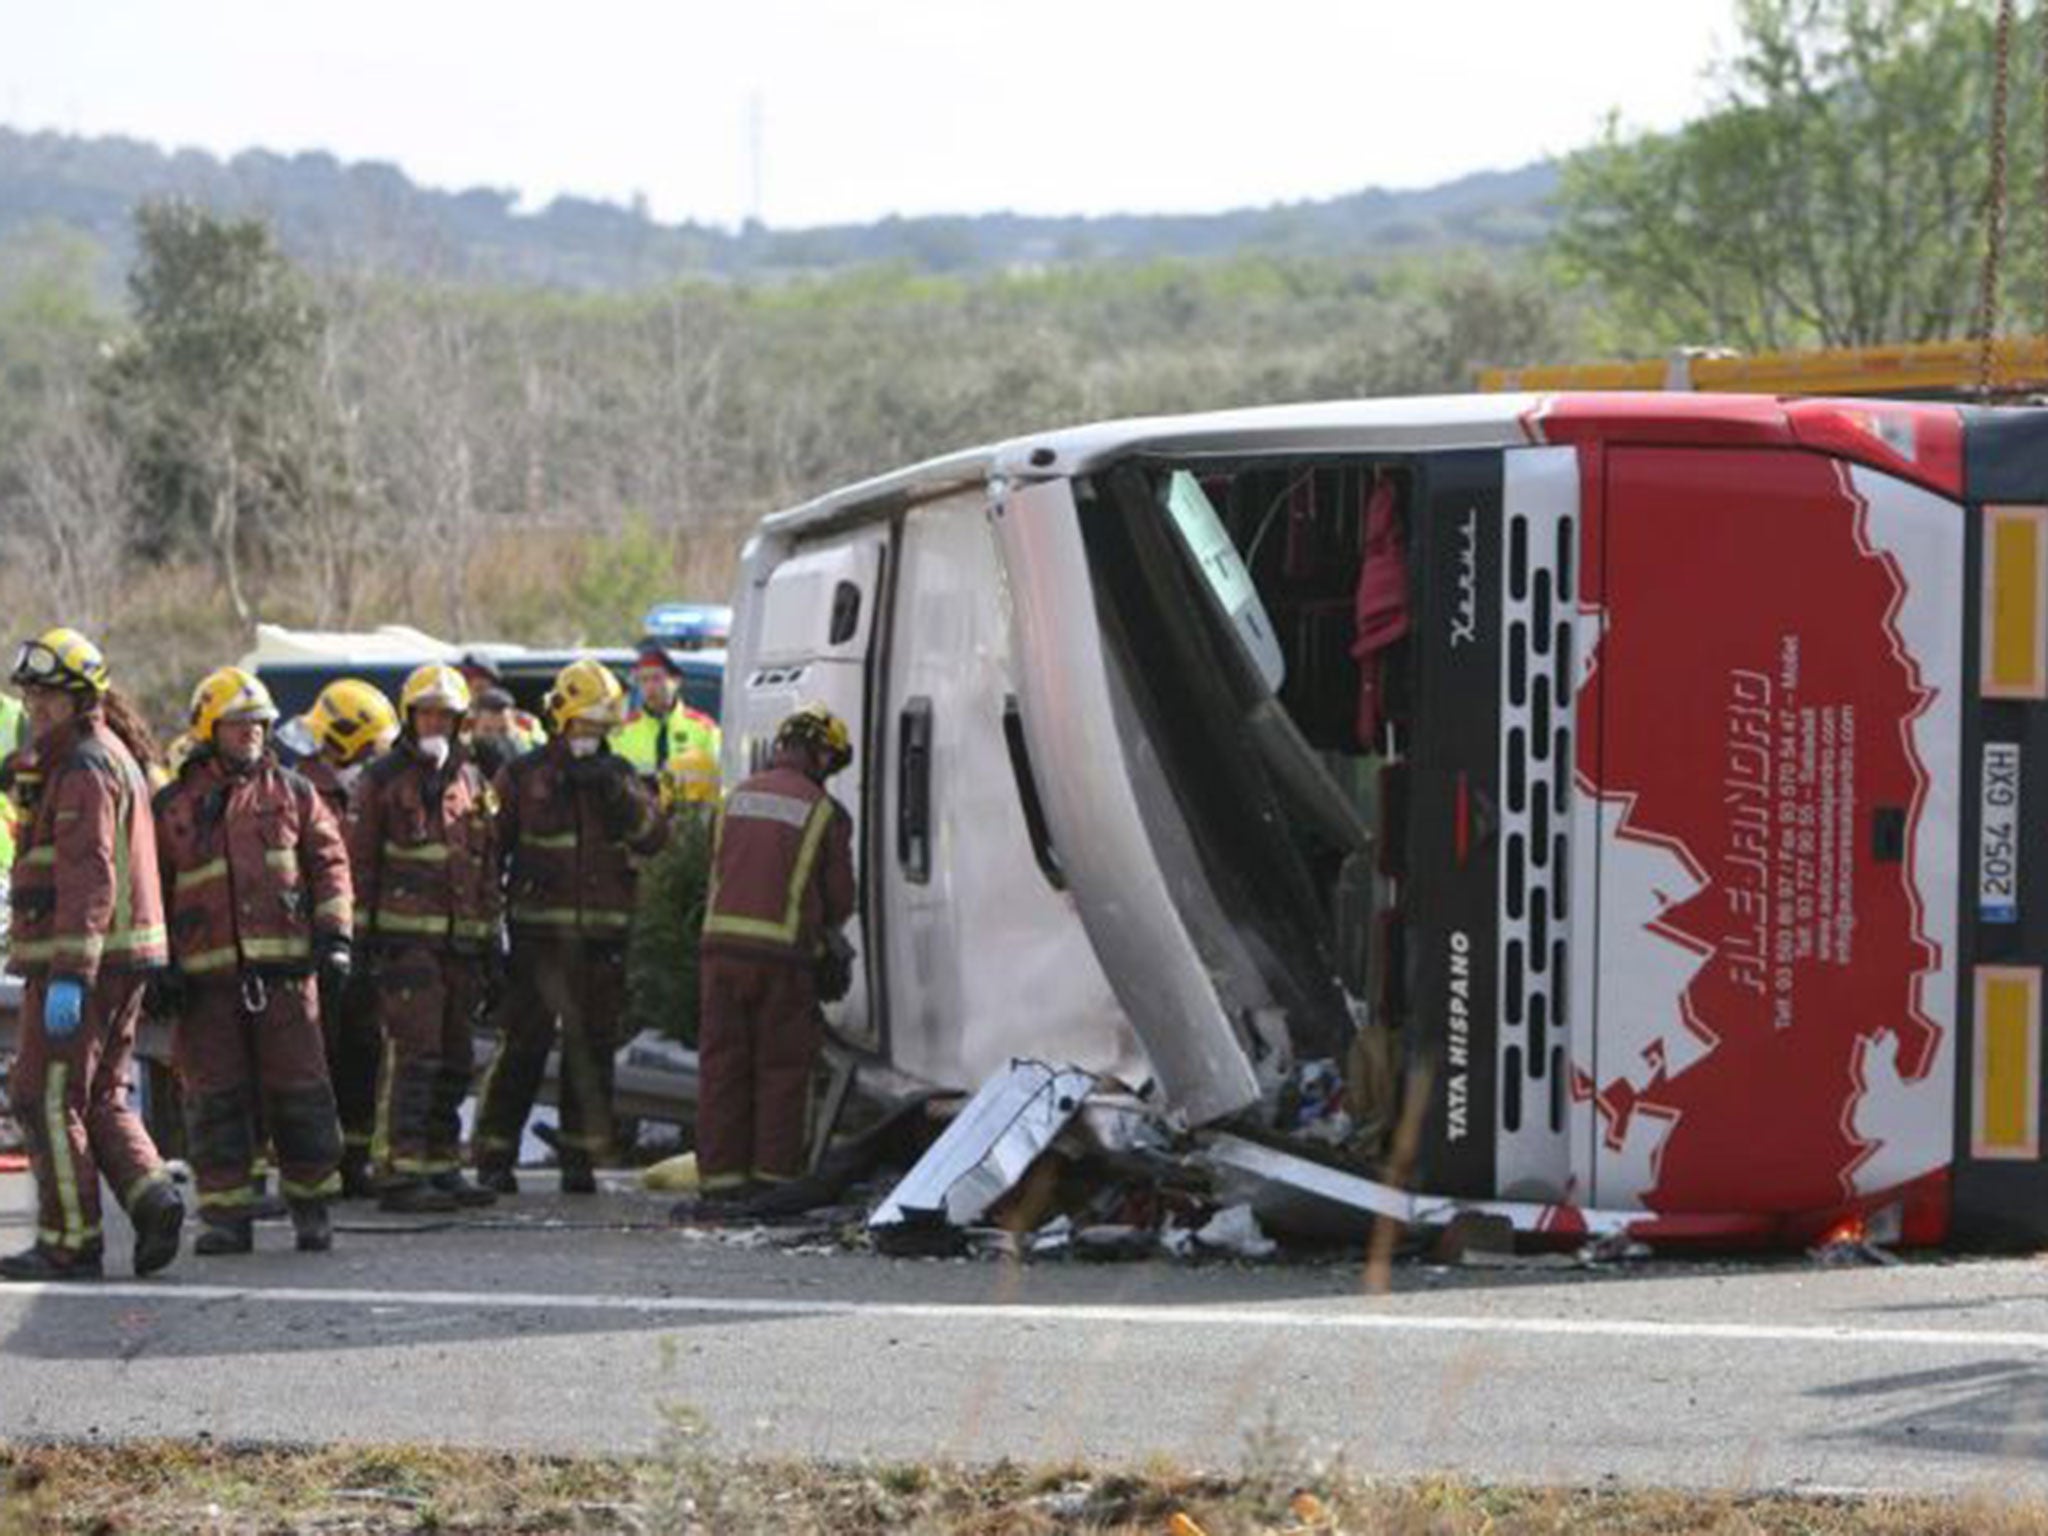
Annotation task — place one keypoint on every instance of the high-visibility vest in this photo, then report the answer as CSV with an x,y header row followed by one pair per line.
x,y
647,741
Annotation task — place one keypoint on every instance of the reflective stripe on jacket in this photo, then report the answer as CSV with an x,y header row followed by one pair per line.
x,y
254,865
647,741
568,871
86,894
423,848
782,869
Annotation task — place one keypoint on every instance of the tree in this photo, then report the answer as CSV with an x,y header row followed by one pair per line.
x,y
68,518
214,388
661,951
1835,197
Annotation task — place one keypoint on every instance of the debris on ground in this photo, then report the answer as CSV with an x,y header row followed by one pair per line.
x,y
1235,1230
1048,1163
672,1175
988,1149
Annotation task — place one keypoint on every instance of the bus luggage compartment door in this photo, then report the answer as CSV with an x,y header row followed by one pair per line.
x,y
1778,684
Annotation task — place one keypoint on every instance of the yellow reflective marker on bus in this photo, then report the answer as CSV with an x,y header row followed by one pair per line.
x,y
2015,603
2005,1115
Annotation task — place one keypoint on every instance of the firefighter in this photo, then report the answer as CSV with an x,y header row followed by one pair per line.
x,y
350,723
88,932
573,820
423,848
781,887
260,901
663,725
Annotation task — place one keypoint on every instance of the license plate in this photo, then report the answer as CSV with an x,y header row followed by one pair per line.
x,y
1998,837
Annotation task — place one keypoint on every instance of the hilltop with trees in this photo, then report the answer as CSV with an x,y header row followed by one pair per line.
x,y
369,217
429,407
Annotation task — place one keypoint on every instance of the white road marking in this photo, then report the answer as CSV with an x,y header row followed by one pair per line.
x,y
1342,1317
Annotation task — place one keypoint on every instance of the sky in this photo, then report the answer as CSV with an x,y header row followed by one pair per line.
x,y
816,111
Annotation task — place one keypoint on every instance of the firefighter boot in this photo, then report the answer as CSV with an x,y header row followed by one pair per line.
x,y
309,1222
46,1263
356,1182
460,1190
415,1198
498,1178
158,1217
222,1236
577,1178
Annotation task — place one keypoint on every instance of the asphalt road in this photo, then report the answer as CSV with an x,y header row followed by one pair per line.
x,y
583,1325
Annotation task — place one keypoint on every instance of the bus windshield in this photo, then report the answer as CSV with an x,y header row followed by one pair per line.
x,y
1231,602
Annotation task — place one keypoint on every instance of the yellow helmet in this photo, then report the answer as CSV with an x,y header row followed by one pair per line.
x,y
352,719
690,777
586,689
815,727
61,658
229,694
436,687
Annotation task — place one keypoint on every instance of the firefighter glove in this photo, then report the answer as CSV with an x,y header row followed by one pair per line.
x,y
63,1007
833,975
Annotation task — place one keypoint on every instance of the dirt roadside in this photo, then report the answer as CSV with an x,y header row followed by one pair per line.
x,y
166,1487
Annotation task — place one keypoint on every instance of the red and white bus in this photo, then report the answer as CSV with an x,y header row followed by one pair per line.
x,y
1640,781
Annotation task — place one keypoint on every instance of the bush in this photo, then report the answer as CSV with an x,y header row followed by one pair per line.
x,y
661,958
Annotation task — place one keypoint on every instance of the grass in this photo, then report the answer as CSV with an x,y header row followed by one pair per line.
x,y
152,1487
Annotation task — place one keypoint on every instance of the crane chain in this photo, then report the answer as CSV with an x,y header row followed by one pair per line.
x,y
1994,202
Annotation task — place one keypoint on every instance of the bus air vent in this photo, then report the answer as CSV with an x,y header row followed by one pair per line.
x,y
1536,769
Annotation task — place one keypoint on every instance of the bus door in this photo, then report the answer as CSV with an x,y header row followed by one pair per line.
x,y
817,642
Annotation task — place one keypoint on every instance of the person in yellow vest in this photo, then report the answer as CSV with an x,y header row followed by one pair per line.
x,y
663,725
10,723
10,740
690,779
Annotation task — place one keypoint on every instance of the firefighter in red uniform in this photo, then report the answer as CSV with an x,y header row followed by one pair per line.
x,y
260,899
423,848
781,887
573,818
350,723
88,932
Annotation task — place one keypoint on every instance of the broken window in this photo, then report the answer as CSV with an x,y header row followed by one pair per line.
x,y
1257,617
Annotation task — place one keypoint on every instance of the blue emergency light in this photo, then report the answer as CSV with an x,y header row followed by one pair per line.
x,y
688,626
